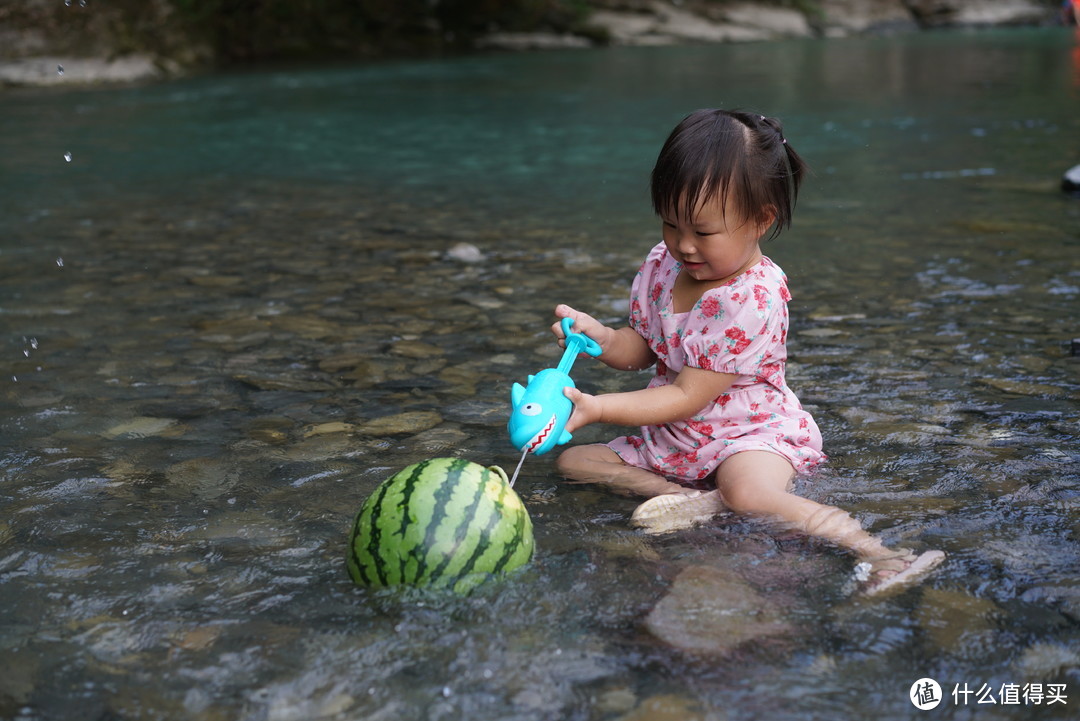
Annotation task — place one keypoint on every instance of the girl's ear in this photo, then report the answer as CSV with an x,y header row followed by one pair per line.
x,y
766,219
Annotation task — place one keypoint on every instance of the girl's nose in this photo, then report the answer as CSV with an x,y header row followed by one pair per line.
x,y
687,245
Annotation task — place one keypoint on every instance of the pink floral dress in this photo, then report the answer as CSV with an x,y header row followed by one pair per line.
x,y
740,328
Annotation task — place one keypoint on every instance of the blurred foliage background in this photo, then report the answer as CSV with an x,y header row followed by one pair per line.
x,y
228,32
236,31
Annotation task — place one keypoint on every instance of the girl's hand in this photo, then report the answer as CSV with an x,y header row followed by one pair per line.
x,y
587,409
583,323
622,349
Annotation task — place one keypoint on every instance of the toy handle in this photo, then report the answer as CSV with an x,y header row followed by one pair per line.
x,y
585,343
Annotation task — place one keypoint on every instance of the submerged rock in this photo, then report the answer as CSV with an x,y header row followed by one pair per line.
x,y
296,382
667,707
140,427
465,252
1022,388
953,619
332,427
708,611
438,441
203,478
408,422
1046,660
324,447
415,349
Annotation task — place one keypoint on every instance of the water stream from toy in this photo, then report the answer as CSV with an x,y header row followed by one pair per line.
x,y
517,470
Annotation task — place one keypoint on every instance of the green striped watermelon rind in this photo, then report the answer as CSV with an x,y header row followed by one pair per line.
x,y
441,523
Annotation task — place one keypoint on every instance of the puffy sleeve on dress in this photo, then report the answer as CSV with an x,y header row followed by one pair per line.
x,y
740,328
646,290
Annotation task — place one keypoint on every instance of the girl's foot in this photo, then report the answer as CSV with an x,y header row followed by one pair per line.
x,y
676,511
885,574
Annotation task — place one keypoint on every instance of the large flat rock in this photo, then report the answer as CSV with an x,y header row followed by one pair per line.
x,y
711,612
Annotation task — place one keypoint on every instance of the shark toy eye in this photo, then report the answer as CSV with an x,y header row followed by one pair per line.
x,y
531,409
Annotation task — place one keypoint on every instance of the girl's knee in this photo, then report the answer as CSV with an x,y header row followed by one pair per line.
x,y
576,459
741,497
568,461
754,482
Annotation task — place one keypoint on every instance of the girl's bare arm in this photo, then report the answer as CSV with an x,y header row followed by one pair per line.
x,y
623,348
692,391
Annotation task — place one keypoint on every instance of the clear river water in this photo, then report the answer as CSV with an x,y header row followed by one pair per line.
x,y
231,305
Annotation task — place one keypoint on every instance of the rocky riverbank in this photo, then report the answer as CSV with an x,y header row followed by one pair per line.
x,y
38,49
667,22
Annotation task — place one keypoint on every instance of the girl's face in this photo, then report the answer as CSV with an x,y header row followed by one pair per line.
x,y
717,243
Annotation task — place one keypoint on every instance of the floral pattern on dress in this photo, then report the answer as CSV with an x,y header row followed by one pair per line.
x,y
738,328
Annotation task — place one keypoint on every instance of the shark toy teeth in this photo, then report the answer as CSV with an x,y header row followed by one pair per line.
x,y
540,410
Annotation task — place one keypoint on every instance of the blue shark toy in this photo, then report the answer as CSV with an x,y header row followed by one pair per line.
x,y
539,411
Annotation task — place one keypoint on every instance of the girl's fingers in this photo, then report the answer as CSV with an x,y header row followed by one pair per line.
x,y
583,322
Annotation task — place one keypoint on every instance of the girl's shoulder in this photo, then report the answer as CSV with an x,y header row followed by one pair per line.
x,y
658,266
762,280
658,256
764,270
763,273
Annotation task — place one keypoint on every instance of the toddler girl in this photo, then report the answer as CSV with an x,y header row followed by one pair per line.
x,y
710,312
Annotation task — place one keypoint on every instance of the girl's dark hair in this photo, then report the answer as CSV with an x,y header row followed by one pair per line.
x,y
713,153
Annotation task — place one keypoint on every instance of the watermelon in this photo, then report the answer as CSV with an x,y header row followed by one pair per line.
x,y
445,523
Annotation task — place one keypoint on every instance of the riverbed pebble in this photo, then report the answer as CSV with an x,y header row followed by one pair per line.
x,y
667,707
407,422
954,620
1046,660
140,428
709,611
204,478
465,252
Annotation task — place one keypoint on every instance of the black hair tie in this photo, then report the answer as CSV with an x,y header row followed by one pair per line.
x,y
783,140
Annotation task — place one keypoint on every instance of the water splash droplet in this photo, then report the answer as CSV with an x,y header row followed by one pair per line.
x,y
33,343
67,2
26,353
82,3
67,157
59,69
60,262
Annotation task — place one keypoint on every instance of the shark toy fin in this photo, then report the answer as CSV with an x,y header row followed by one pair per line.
x,y
517,392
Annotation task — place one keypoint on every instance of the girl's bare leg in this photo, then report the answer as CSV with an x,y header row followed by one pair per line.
x,y
599,464
758,483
